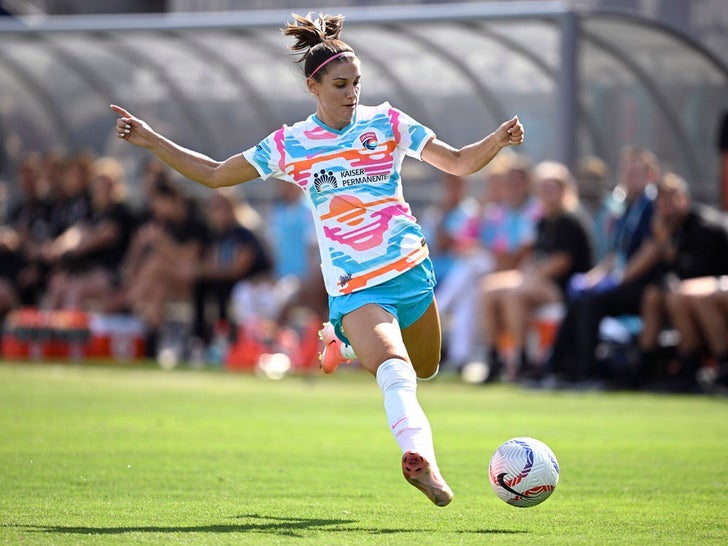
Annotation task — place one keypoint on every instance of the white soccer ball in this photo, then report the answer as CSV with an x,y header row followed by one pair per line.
x,y
523,472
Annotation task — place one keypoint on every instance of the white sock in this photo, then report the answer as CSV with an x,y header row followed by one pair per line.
x,y
347,351
407,421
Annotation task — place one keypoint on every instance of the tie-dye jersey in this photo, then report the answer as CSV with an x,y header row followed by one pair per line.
x,y
366,231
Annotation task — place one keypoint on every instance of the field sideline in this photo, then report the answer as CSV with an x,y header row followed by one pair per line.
x,y
114,455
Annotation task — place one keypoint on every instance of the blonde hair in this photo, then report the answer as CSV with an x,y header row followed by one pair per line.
x,y
112,169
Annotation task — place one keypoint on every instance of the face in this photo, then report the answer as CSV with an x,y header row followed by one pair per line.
x,y
671,206
517,188
550,193
102,189
221,214
634,175
337,94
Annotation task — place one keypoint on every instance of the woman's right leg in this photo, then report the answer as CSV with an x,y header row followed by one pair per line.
x,y
377,340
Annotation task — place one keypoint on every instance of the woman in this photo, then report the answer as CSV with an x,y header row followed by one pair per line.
x,y
562,248
346,158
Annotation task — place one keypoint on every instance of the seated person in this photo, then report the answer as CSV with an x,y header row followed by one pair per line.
x,y
499,237
692,242
233,253
562,248
706,299
89,255
163,258
11,262
613,287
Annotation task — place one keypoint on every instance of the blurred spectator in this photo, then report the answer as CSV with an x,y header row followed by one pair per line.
x,y
30,218
75,206
706,300
614,286
692,242
296,258
562,248
443,222
509,232
593,177
233,253
162,260
10,265
499,236
89,255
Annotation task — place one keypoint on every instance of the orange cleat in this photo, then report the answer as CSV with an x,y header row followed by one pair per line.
x,y
331,356
419,473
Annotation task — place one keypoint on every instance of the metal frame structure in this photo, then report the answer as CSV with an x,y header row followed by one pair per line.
x,y
111,32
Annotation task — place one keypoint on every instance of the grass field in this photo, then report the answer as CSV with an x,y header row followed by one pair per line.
x,y
111,455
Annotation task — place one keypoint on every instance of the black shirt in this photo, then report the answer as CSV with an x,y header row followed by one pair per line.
x,y
565,233
701,246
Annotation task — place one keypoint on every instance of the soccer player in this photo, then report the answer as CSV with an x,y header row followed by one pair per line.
x,y
346,158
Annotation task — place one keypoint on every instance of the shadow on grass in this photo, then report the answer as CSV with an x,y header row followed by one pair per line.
x,y
285,526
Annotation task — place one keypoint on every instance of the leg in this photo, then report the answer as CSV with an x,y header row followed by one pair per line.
x,y
681,312
199,299
711,312
517,309
560,357
375,335
652,311
423,342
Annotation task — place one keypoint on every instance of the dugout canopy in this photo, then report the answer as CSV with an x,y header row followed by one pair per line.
x,y
582,82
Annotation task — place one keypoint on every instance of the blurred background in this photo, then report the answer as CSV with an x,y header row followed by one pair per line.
x,y
89,223
585,77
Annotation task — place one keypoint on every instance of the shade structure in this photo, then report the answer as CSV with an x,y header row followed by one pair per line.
x,y
585,82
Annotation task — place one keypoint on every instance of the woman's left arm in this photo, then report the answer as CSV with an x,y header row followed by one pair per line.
x,y
473,157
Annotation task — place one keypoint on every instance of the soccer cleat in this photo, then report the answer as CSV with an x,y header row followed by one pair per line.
x,y
331,356
419,473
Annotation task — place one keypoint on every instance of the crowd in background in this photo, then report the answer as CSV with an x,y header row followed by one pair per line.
x,y
71,240
634,258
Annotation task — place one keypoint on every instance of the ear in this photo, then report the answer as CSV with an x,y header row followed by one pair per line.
x,y
312,85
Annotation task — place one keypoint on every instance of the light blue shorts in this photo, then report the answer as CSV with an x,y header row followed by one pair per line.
x,y
406,297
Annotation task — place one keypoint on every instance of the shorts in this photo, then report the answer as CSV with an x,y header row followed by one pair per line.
x,y
406,297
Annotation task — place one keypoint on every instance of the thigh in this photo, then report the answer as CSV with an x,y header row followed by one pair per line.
x,y
502,280
539,291
701,286
375,336
423,340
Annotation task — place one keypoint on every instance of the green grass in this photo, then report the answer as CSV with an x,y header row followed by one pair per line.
x,y
112,455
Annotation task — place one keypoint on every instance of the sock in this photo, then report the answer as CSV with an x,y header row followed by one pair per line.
x,y
407,421
347,351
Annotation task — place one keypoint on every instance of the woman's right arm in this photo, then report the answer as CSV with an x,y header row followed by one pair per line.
x,y
190,164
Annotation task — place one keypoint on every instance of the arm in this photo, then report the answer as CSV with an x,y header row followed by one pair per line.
x,y
241,264
473,157
191,164
554,266
646,257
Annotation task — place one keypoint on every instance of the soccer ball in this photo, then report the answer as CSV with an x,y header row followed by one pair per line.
x,y
523,472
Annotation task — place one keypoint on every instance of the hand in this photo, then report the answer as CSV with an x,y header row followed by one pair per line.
x,y
132,129
511,133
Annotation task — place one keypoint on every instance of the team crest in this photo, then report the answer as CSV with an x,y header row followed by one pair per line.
x,y
369,140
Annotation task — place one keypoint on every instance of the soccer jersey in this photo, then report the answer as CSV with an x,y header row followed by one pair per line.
x,y
366,231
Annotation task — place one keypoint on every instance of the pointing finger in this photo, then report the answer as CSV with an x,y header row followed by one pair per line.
x,y
119,110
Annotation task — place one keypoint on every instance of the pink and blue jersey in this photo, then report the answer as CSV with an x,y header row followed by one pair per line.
x,y
366,231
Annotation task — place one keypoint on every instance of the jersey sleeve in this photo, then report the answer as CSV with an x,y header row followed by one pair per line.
x,y
411,135
268,155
